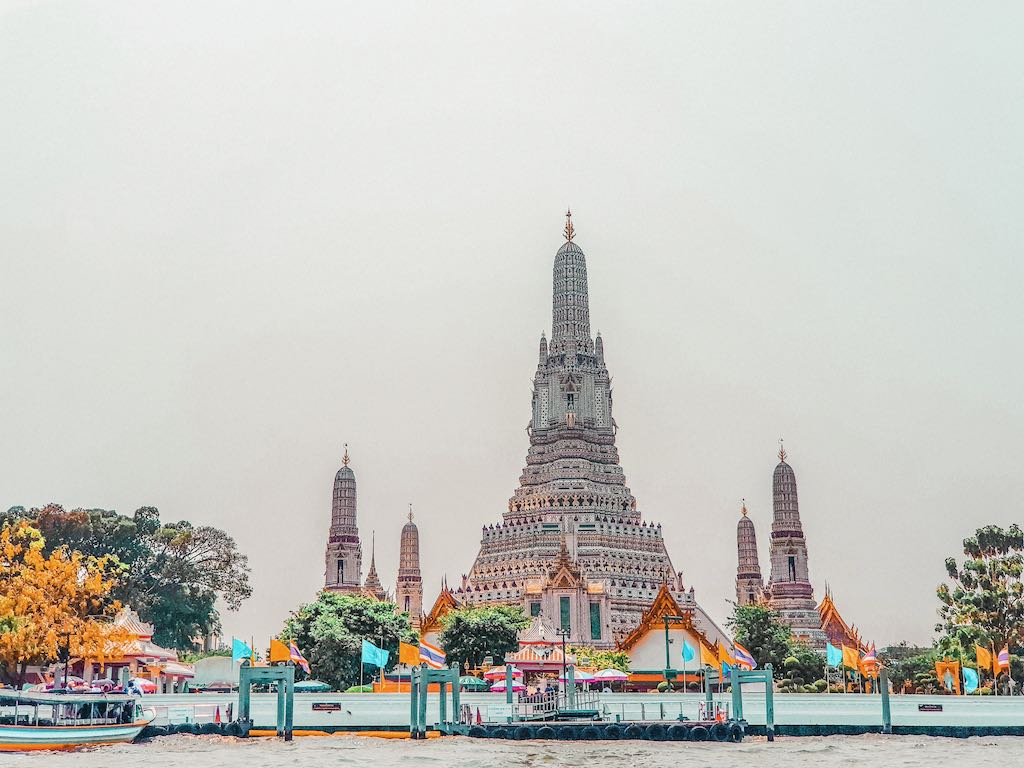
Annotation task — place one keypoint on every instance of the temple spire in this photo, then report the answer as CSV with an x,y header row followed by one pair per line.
x,y
570,306
569,231
749,583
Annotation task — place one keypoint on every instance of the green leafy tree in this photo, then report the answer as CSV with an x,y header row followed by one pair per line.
x,y
470,634
330,633
984,599
600,659
760,630
175,572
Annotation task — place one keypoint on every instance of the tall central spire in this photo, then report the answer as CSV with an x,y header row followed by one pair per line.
x,y
570,306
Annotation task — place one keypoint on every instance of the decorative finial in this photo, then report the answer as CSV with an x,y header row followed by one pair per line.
x,y
344,459
782,451
744,509
410,512
569,231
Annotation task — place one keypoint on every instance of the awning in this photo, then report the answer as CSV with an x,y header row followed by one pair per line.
x,y
177,669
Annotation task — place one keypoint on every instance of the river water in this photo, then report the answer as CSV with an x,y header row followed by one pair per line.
x,y
184,751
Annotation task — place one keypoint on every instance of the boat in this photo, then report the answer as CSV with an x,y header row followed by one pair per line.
x,y
32,720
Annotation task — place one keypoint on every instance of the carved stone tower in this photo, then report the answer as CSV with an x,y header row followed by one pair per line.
x,y
344,552
789,586
749,584
409,587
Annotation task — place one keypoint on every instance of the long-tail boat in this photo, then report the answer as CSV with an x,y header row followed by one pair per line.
x,y
34,721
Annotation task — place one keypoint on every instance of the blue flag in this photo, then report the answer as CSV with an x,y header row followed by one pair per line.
x,y
833,655
970,680
374,655
240,651
689,652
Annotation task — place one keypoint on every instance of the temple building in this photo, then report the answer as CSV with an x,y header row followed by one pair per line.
x,y
344,566
409,585
572,547
749,584
372,586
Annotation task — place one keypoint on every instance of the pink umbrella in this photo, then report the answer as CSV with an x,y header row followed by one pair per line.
x,y
498,673
611,674
499,687
579,676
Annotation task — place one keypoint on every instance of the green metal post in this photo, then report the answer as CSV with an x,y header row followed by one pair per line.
x,y
668,657
414,686
769,702
456,702
280,707
289,703
883,688
709,702
737,694
570,691
442,687
509,682
244,691
422,716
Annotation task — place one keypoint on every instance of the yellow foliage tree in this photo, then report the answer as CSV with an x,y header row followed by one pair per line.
x,y
47,602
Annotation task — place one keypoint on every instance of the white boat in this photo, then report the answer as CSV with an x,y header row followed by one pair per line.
x,y
37,721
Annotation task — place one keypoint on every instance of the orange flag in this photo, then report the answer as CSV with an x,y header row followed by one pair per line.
x,y
408,654
851,657
948,673
724,657
279,652
708,657
985,660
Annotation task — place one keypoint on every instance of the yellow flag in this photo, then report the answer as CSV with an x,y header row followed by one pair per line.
x,y
851,658
724,657
984,658
408,654
708,657
279,652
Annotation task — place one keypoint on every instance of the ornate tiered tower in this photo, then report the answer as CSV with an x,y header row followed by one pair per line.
x,y
791,593
372,585
344,552
409,587
749,584
572,492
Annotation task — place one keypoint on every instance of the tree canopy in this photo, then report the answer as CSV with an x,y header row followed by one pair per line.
x,y
53,601
330,631
600,659
760,630
173,573
984,599
470,634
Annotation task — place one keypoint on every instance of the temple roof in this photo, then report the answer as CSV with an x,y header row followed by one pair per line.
x,y
832,620
664,605
540,632
445,603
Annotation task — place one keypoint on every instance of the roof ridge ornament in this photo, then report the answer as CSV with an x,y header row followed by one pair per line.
x,y
569,231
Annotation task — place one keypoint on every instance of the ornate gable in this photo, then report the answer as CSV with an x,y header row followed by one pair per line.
x,y
446,603
564,573
653,618
835,627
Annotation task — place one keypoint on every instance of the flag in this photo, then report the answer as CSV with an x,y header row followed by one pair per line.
x,y
689,652
743,658
279,652
851,657
708,656
432,656
408,654
240,651
295,656
869,662
985,660
970,680
725,658
833,656
374,655
1003,660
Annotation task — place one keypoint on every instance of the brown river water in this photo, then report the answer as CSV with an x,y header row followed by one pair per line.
x,y
312,752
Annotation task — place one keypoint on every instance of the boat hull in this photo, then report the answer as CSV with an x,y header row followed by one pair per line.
x,y
21,738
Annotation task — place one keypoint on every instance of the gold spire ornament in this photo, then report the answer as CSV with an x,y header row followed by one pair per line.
x,y
410,513
344,459
569,231
744,509
782,451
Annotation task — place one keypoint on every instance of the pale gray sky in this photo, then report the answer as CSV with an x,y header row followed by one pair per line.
x,y
234,236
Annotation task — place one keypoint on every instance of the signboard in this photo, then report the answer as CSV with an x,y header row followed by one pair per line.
x,y
499,712
326,706
929,707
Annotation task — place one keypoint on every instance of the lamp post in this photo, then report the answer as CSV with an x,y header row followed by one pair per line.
x,y
563,633
669,672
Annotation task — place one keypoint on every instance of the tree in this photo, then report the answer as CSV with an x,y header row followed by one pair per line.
x,y
910,666
49,602
175,572
470,634
985,601
760,630
600,659
330,632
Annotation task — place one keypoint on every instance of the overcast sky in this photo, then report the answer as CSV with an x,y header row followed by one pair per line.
x,y
235,236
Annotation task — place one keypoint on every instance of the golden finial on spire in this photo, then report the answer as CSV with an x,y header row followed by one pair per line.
x,y
782,451
569,231
344,459
744,508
